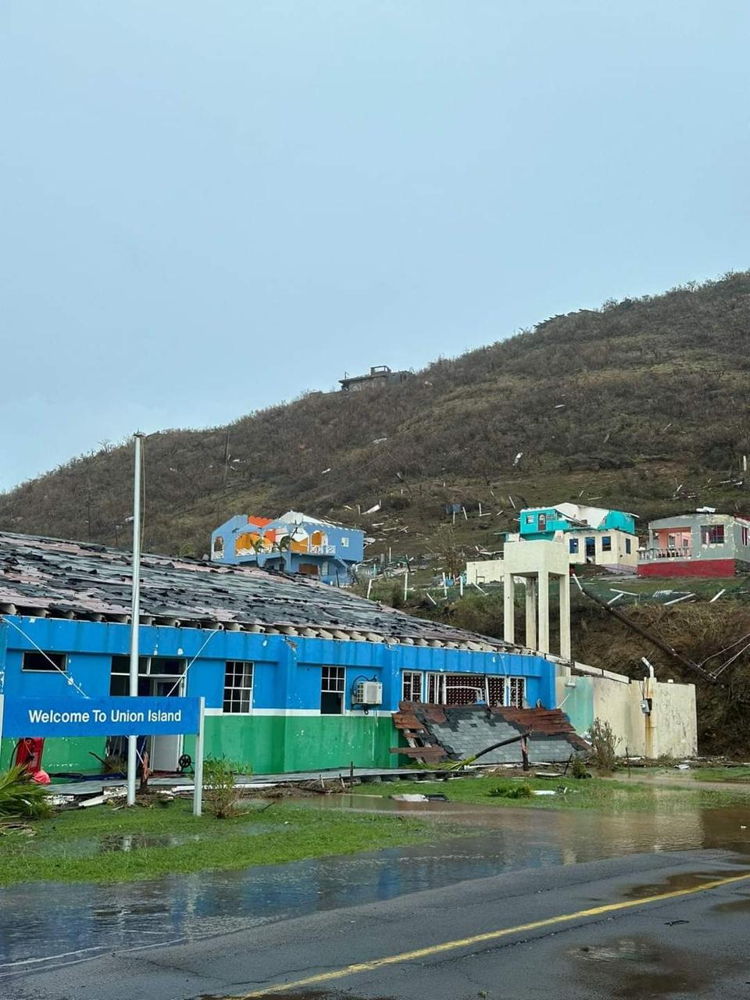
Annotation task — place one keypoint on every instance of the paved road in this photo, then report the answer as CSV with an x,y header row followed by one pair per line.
x,y
669,925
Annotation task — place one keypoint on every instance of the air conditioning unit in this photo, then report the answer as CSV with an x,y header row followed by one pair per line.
x,y
367,693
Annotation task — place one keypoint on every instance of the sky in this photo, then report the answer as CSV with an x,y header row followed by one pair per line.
x,y
207,208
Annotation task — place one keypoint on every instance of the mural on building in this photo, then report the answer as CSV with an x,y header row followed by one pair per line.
x,y
293,543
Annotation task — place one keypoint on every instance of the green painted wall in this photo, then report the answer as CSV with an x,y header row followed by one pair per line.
x,y
62,754
272,743
269,744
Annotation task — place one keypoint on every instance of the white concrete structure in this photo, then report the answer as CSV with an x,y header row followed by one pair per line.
x,y
536,562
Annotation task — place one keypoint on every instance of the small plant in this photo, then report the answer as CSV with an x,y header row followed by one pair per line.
x,y
219,791
522,791
603,741
578,767
20,797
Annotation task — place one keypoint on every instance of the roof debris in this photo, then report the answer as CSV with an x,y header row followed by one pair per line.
x,y
48,577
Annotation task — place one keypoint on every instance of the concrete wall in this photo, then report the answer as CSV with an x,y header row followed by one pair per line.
x,y
670,730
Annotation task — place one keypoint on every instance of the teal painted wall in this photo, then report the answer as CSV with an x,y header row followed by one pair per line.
x,y
578,702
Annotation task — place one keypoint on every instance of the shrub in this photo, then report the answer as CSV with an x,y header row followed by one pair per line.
x,y
20,797
522,791
603,746
219,791
578,767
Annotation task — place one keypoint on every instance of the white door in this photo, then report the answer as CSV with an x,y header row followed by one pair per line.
x,y
165,750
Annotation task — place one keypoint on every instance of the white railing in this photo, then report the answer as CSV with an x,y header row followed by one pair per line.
x,y
671,552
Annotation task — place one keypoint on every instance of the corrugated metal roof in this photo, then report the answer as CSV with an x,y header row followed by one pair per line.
x,y
65,579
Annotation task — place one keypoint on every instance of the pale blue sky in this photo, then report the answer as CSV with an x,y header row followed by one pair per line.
x,y
209,207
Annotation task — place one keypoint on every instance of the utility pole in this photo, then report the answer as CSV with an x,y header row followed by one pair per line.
x,y
135,610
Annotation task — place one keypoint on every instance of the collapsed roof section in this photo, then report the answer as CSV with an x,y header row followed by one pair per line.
x,y
48,577
437,733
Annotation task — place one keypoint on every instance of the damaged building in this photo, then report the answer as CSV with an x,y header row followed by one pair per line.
x,y
296,675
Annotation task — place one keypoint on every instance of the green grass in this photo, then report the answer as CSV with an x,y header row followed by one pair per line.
x,y
729,774
68,847
604,794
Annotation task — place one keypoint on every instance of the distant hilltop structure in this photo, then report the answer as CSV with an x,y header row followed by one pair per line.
x,y
379,376
294,543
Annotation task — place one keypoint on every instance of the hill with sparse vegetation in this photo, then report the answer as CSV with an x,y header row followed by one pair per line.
x,y
642,405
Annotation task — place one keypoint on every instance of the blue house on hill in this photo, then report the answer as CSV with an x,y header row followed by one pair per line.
x,y
294,543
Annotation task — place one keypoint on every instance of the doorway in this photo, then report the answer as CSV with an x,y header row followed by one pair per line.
x,y
165,750
158,677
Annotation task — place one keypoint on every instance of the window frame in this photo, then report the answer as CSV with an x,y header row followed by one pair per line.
x,y
235,693
713,534
332,683
411,674
61,668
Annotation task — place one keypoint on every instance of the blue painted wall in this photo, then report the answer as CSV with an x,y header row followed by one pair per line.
x,y
344,549
286,673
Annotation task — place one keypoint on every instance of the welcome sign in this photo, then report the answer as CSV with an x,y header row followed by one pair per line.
x,y
99,716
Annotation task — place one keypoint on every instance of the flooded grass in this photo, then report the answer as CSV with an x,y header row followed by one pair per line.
x,y
591,793
117,845
728,774
106,845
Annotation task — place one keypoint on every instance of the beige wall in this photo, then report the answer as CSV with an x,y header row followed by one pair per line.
x,y
617,556
670,730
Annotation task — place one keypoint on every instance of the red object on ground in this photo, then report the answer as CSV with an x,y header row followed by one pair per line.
x,y
29,752
688,567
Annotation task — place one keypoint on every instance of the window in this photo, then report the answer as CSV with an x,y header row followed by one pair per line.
x,y
573,546
344,542
238,687
45,662
154,666
218,546
411,689
516,692
607,543
332,691
469,689
712,534
627,546
542,522
529,518
433,689
744,535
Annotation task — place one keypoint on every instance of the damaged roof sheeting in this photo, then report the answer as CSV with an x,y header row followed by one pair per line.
x,y
440,732
48,577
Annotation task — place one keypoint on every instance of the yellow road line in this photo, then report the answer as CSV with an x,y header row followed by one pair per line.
x,y
436,949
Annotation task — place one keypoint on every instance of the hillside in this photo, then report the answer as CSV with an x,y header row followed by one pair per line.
x,y
642,404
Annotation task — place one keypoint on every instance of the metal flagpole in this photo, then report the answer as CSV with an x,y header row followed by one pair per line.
x,y
135,611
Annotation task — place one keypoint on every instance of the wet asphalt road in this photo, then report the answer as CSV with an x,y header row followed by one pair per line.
x,y
695,945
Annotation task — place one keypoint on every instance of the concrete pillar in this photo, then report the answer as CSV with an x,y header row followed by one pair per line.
x,y
531,611
543,602
565,646
509,609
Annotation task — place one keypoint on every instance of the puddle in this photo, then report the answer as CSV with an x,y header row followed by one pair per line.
x,y
633,968
733,906
683,880
35,934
